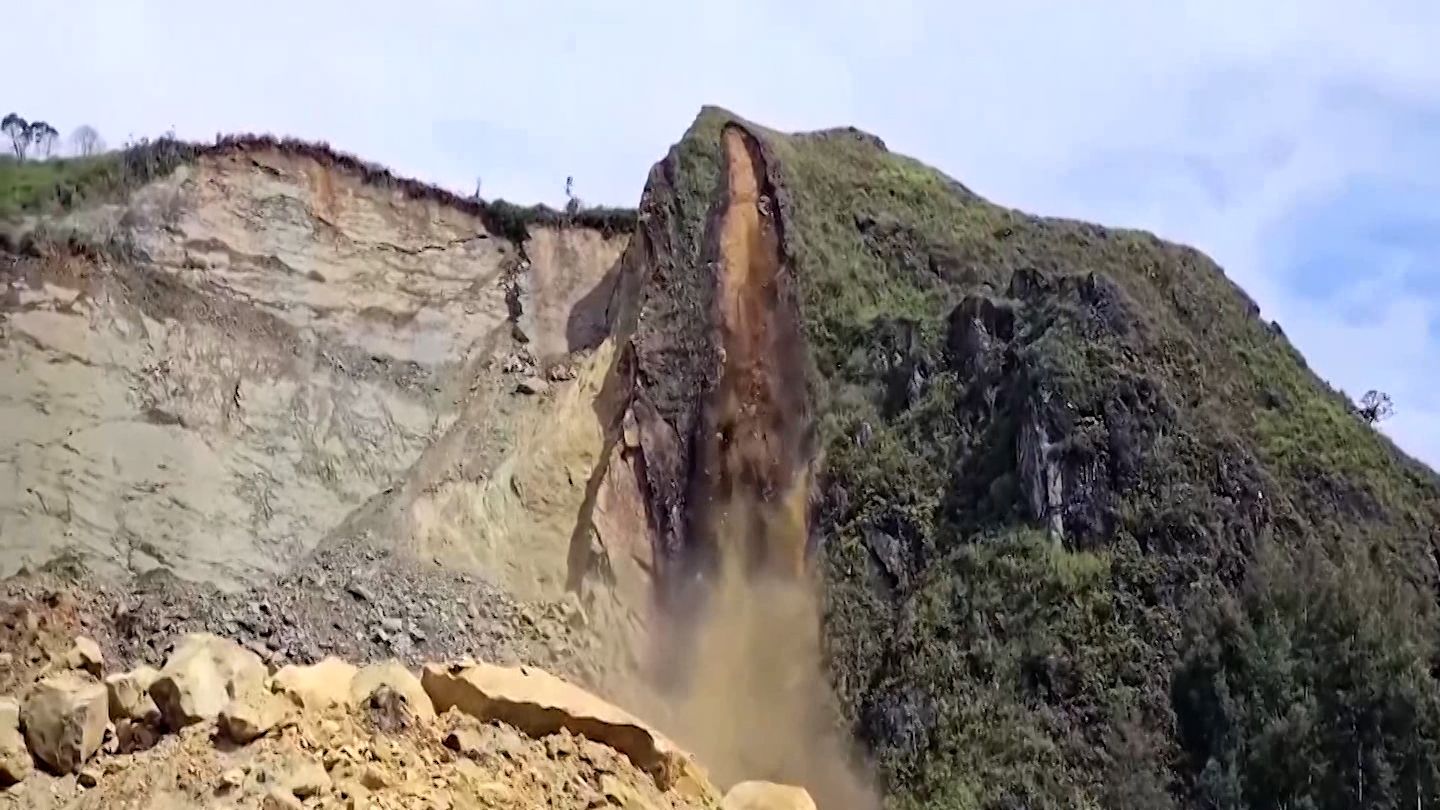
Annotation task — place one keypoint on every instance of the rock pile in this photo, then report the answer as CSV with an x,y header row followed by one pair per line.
x,y
216,727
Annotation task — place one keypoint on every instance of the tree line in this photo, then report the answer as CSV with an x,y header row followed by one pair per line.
x,y
40,138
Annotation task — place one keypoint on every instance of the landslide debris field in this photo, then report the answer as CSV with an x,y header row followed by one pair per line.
x,y
836,473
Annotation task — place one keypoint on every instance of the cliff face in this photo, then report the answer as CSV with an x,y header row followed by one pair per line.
x,y
1068,496
1040,513
280,340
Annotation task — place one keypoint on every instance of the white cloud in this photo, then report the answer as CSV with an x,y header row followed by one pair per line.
x,y
1208,122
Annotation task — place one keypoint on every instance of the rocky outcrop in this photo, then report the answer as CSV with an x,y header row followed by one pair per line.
x,y
539,703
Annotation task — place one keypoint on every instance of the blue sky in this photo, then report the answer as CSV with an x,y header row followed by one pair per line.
x,y
1295,142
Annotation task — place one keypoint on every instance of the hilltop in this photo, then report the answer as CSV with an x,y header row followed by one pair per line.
x,y
1089,530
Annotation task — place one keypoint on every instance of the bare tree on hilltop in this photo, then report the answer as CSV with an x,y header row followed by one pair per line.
x,y
19,131
86,141
572,203
43,136
1376,406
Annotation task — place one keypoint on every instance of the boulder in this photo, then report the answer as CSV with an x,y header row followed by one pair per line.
x,y
129,694
538,703
767,796
250,717
400,681
14,756
466,741
85,655
317,686
135,735
64,718
306,779
202,676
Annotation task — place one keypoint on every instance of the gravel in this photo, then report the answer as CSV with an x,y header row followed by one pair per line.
x,y
353,601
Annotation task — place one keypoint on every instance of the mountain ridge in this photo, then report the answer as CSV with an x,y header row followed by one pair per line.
x,y
1080,527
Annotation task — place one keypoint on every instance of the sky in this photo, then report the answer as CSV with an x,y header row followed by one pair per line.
x,y
1295,141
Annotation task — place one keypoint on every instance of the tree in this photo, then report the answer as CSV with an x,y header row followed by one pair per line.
x,y
1311,688
572,203
43,136
1376,406
86,141
19,131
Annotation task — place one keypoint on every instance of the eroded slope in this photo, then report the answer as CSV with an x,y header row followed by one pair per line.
x,y
268,340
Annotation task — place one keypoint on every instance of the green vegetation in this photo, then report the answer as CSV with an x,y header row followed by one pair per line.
x,y
1313,688
51,187
1240,612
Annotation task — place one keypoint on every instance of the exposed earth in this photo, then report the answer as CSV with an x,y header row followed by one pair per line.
x,y
836,473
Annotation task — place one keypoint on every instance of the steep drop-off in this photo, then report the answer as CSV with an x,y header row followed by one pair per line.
x,y
261,341
1086,524
1039,513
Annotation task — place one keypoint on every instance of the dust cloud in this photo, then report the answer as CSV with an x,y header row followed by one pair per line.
x,y
752,698
757,702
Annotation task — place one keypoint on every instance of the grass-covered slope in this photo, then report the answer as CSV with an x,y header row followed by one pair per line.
x,y
1091,532
52,187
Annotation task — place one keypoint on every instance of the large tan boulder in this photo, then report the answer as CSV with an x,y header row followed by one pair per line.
x,y
85,655
316,686
202,676
14,756
64,718
129,694
767,796
538,703
252,716
400,680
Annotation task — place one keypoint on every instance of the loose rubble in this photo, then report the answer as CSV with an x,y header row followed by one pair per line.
x,y
351,601
214,727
